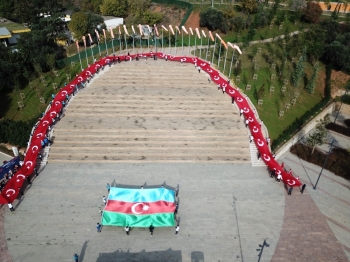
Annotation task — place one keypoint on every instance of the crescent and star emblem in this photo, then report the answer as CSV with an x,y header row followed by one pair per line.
x,y
245,110
255,129
194,60
88,72
231,91
171,57
10,190
18,177
224,85
259,142
80,78
34,148
144,208
183,59
64,92
45,122
250,119
203,64
39,135
290,182
216,78
267,158
209,70
239,99
53,113
57,103
29,164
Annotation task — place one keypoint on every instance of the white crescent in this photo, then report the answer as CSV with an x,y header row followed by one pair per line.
x,y
194,60
250,119
209,70
57,103
216,78
107,60
171,57
162,55
245,110
289,183
34,148
11,190
98,65
231,91
64,92
183,59
255,129
267,158
80,78
259,142
278,172
239,99
88,72
72,86
18,176
224,85
45,122
39,135
133,208
29,162
53,113
203,64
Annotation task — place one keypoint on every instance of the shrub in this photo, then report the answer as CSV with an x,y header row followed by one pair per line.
x,y
312,12
212,19
346,99
338,160
339,129
347,122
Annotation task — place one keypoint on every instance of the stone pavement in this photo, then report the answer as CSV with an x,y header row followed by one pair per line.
x,y
332,198
226,211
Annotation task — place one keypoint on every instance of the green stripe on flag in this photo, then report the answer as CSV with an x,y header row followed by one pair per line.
x,y
122,220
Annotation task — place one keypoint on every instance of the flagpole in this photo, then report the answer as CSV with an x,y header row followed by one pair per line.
x,y
225,61
148,41
141,44
195,45
189,43
219,56
126,45
200,50
182,33
212,58
229,74
92,52
87,61
162,41
175,40
113,44
133,43
106,46
81,65
206,56
98,43
120,43
169,43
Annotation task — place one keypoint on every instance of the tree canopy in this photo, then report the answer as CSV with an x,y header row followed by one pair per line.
x,y
114,7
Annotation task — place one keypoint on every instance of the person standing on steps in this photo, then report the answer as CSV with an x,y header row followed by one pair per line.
x,y
98,227
104,200
76,257
10,207
290,191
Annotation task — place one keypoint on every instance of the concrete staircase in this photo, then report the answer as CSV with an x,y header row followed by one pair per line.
x,y
150,111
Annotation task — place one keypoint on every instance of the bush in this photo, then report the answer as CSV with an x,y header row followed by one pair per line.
x,y
16,132
346,99
212,19
339,129
338,160
347,122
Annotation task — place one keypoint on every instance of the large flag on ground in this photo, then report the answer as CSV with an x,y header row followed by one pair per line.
x,y
139,207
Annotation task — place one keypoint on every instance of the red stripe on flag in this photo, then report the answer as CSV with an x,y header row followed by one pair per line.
x,y
140,208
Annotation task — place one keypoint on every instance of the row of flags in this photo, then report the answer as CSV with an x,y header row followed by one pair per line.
x,y
198,33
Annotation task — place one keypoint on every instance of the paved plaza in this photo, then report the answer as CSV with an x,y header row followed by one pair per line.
x,y
127,128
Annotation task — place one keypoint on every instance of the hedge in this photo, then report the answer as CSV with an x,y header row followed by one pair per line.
x,y
346,99
16,132
347,122
298,124
339,129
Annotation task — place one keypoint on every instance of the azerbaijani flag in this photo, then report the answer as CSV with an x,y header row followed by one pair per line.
x,y
139,207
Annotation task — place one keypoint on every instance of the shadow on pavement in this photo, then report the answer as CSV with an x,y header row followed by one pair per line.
x,y
167,255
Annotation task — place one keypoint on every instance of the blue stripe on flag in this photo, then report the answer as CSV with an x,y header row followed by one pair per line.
x,y
141,195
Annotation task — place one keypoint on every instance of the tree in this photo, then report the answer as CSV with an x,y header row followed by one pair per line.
x,y
92,6
249,6
299,69
212,19
312,12
114,7
78,25
310,87
318,136
7,8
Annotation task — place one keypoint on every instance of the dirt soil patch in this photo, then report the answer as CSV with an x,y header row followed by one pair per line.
x,y
172,15
338,80
193,20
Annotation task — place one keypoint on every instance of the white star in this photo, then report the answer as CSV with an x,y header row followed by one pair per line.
x,y
145,208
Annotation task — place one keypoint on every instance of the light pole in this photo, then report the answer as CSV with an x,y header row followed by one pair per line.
x,y
324,163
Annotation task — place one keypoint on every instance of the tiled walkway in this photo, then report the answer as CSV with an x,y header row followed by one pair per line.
x,y
305,234
4,253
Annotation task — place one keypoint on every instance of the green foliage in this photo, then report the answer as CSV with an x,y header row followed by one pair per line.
x,y
310,87
7,8
212,19
238,69
16,132
261,91
152,18
312,12
346,99
92,6
299,69
117,8
78,25
318,136
138,7
249,6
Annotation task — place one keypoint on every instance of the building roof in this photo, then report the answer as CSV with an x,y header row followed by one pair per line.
x,y
4,33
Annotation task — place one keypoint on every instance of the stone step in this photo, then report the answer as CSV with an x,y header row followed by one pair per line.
x,y
254,155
